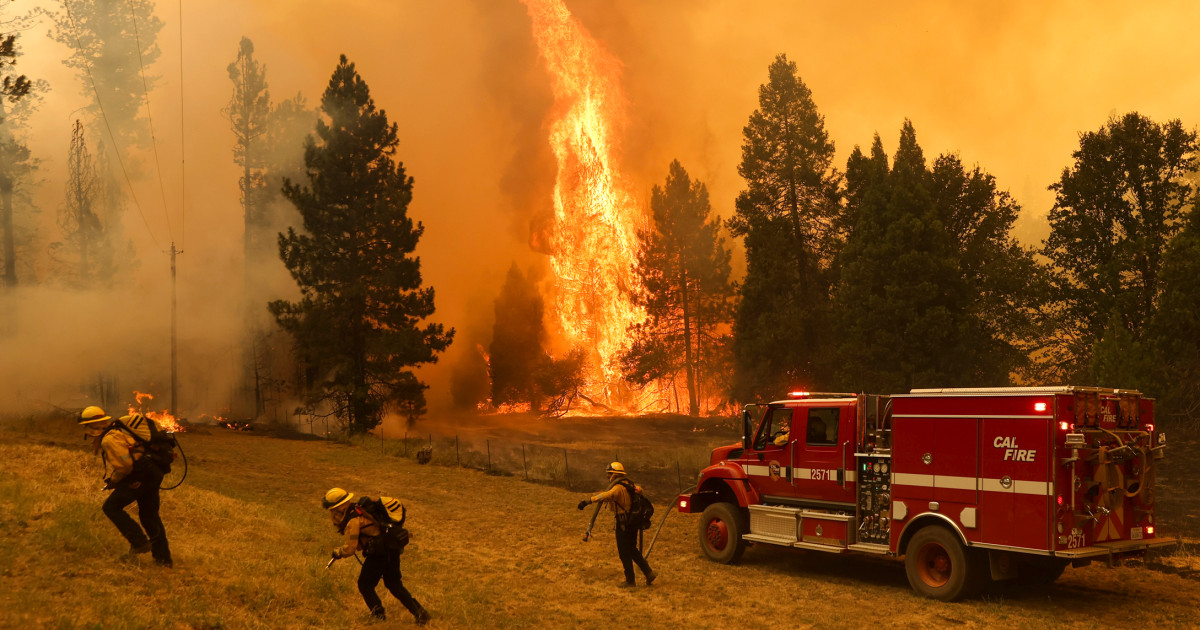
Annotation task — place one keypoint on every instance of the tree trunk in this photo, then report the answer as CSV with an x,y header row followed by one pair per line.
x,y
6,224
689,365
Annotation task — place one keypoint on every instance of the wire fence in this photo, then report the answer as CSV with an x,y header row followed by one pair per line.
x,y
663,472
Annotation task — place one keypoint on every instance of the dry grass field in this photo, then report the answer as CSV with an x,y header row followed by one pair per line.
x,y
489,551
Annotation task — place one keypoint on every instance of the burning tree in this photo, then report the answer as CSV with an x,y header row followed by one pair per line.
x,y
684,269
357,324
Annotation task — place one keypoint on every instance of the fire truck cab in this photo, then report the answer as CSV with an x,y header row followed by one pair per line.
x,y
967,485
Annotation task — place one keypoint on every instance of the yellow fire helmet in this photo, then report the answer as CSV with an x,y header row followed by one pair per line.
x,y
615,468
336,497
93,414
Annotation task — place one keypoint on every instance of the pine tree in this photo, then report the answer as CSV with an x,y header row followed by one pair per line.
x,y
787,215
83,231
15,159
358,324
1172,337
903,304
684,268
1115,211
110,44
517,351
247,111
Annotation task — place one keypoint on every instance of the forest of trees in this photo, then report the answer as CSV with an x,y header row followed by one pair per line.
x,y
879,274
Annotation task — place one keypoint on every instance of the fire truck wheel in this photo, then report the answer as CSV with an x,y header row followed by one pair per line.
x,y
938,565
721,529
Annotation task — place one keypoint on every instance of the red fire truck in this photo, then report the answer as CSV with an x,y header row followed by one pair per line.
x,y
968,485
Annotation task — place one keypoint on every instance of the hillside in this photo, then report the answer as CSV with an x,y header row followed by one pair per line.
x,y
250,543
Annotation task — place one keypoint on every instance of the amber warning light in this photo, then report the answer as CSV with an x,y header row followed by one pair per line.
x,y
797,394
1039,406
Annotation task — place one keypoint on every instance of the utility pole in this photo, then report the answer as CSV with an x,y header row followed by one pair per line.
x,y
174,353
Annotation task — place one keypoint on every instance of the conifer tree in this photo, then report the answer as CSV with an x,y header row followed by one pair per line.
x,y
16,162
1172,338
359,323
247,111
684,268
1116,209
787,215
83,232
517,351
903,305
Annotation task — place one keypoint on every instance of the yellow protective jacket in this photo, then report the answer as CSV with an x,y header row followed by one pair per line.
x,y
616,498
120,449
358,529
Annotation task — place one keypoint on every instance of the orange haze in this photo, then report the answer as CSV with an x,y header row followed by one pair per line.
x,y
1006,85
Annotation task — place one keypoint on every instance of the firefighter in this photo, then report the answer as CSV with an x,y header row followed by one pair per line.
x,y
134,478
360,530
619,501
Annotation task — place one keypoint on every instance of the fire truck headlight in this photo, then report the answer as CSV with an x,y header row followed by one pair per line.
x,y
1150,530
683,504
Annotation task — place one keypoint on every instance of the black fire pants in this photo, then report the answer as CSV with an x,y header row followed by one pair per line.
x,y
384,565
627,549
142,487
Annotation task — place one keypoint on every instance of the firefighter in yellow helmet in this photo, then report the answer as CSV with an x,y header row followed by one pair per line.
x,y
134,478
378,563
619,501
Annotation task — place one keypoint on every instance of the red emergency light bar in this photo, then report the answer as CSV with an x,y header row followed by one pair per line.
x,y
798,394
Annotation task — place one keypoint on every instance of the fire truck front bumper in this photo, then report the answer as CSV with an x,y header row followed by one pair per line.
x,y
1117,549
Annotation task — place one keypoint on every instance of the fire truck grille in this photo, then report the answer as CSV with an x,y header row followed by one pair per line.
x,y
775,525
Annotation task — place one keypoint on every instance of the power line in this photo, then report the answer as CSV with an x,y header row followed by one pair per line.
x,y
103,116
150,119
182,143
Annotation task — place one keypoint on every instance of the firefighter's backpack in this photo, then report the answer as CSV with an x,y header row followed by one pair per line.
x,y
641,510
159,448
389,514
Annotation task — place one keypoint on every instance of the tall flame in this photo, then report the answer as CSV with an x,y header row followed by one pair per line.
x,y
594,242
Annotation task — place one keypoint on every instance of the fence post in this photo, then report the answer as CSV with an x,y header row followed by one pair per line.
x,y
489,447
566,469
457,457
524,465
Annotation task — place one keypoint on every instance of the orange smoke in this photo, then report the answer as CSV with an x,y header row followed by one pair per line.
x,y
594,242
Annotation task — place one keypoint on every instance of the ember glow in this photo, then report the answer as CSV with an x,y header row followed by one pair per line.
x,y
594,242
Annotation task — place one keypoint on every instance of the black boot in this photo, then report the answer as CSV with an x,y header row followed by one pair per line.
x,y
421,616
378,613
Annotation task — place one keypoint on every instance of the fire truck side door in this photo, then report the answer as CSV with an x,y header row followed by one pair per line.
x,y
823,457
768,463
1015,501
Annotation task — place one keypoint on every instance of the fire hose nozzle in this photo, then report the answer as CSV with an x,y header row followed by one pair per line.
x,y
330,563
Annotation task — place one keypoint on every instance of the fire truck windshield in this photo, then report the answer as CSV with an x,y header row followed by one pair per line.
x,y
775,426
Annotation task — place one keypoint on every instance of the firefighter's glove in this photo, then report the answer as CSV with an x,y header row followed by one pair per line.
x,y
108,483
583,504
336,555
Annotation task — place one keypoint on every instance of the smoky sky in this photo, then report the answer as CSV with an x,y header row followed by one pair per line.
x,y
1007,86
